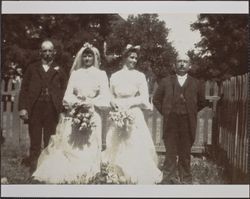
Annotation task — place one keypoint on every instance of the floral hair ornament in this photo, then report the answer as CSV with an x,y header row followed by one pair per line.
x,y
130,46
87,45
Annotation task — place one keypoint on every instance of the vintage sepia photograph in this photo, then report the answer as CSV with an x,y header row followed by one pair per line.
x,y
123,99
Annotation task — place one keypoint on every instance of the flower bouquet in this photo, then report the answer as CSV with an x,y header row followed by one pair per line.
x,y
122,119
110,174
82,114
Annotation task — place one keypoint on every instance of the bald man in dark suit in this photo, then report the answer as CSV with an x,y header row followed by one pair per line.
x,y
178,98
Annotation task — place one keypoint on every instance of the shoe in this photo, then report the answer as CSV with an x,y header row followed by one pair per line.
x,y
171,181
32,180
33,165
188,181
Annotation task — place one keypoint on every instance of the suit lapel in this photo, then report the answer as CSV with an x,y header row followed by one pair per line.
x,y
40,70
188,86
173,79
51,72
185,85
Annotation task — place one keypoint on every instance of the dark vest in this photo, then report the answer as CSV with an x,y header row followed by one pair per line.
x,y
45,95
179,103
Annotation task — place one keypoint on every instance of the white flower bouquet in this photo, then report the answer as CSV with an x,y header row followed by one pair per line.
x,y
82,114
122,119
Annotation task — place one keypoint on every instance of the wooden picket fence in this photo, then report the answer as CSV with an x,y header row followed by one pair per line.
x,y
16,132
232,137
222,127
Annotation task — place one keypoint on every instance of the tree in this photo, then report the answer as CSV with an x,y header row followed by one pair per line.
x,y
223,47
16,40
23,34
151,34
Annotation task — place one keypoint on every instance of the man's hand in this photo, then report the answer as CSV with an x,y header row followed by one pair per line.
x,y
23,114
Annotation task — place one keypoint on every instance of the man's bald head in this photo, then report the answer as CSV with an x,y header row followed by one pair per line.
x,y
47,51
47,43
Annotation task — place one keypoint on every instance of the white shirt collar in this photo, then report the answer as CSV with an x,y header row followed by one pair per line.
x,y
181,79
46,67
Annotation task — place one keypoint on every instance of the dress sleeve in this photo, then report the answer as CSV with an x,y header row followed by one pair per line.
x,y
103,99
112,88
70,95
23,99
142,97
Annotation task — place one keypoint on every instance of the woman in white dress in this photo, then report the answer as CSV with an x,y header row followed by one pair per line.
x,y
73,156
131,149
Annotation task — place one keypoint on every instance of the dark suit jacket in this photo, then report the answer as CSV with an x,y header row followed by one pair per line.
x,y
32,85
194,95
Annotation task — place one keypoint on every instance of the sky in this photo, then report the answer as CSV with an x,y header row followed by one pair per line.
x,y
182,38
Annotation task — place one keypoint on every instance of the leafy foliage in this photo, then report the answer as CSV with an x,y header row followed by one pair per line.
x,y
157,55
109,174
23,35
203,170
206,172
223,47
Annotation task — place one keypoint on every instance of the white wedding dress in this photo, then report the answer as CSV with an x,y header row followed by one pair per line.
x,y
133,152
70,157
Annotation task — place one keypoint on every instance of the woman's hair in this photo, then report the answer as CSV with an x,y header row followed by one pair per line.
x,y
88,51
126,53
87,48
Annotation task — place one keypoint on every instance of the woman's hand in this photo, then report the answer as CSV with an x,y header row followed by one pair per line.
x,y
120,104
114,105
66,105
81,98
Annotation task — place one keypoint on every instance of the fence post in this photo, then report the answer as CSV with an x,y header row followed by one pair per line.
x,y
232,128
16,119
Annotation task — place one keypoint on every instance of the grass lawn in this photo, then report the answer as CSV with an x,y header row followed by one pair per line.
x,y
204,171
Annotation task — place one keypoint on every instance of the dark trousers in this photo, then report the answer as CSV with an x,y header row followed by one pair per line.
x,y
42,121
177,140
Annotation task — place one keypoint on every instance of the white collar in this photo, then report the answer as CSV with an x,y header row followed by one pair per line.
x,y
46,67
44,63
182,77
91,68
125,68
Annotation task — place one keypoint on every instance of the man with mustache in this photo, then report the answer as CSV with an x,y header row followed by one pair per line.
x,y
178,98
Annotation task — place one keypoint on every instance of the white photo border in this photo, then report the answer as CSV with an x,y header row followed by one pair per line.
x,y
87,7
79,7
